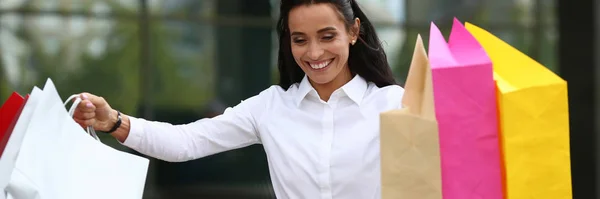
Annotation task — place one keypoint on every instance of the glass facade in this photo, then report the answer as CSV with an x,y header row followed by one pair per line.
x,y
181,60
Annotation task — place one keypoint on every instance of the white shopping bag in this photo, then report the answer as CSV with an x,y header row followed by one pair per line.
x,y
11,150
60,160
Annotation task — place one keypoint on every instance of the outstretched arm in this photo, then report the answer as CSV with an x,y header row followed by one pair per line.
x,y
235,128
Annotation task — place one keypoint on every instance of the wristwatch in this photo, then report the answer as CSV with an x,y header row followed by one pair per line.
x,y
117,124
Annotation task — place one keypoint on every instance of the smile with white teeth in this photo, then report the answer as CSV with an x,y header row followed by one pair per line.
x,y
320,64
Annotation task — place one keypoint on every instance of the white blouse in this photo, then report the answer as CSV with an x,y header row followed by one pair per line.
x,y
315,149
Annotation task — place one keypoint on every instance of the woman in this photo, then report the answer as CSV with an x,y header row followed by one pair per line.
x,y
319,126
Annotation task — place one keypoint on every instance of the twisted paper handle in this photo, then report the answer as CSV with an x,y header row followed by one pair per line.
x,y
90,130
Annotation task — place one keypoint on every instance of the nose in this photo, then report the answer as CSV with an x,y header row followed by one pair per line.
x,y
315,51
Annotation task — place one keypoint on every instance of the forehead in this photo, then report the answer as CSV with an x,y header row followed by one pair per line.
x,y
310,18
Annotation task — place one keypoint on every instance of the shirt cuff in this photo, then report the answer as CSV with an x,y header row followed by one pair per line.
x,y
136,130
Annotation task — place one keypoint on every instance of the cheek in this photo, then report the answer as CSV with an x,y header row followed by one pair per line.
x,y
341,50
297,52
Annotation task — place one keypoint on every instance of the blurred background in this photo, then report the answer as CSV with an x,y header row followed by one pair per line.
x,y
181,60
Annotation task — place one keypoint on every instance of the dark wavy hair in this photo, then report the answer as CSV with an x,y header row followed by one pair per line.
x,y
366,58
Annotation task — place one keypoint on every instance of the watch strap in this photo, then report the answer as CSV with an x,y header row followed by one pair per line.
x,y
117,124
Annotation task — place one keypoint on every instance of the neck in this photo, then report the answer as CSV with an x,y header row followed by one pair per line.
x,y
325,90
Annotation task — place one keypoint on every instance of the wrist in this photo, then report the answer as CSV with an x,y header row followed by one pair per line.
x,y
115,121
113,118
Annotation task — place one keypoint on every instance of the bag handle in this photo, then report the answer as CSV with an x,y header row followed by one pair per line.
x,y
90,130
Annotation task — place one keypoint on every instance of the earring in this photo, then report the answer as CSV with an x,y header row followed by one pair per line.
x,y
353,41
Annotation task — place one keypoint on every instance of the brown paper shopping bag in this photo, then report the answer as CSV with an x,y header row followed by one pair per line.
x,y
410,150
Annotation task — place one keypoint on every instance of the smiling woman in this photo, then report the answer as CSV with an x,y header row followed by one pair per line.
x,y
319,127
321,36
320,46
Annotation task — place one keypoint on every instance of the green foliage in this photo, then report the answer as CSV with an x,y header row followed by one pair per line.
x,y
179,81
513,32
4,89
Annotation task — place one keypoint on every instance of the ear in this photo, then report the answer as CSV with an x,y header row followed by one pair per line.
x,y
355,31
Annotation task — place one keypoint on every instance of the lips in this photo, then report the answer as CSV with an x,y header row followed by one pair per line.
x,y
320,64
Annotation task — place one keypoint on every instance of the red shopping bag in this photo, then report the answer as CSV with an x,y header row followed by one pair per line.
x,y
9,113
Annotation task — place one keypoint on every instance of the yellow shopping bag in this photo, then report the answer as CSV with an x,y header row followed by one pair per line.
x,y
410,149
534,122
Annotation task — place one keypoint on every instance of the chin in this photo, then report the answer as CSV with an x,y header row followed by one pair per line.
x,y
318,79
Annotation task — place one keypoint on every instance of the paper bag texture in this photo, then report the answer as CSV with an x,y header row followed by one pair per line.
x,y
534,122
410,159
466,111
15,141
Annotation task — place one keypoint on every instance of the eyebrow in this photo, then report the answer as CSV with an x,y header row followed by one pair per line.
x,y
319,31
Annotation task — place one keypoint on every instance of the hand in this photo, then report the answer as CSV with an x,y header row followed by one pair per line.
x,y
95,111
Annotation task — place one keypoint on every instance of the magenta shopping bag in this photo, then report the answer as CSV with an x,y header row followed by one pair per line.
x,y
465,101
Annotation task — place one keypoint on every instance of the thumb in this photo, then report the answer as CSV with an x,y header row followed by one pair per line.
x,y
96,100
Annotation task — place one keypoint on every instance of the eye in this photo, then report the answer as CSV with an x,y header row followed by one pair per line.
x,y
298,40
328,37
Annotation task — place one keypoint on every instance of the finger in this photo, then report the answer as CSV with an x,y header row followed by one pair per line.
x,y
96,100
86,106
85,123
84,115
80,122
84,95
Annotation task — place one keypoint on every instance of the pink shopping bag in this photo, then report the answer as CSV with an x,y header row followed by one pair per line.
x,y
466,110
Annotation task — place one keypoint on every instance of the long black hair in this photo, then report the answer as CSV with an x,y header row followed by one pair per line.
x,y
366,58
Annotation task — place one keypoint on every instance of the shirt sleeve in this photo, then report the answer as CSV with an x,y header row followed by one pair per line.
x,y
394,96
235,128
